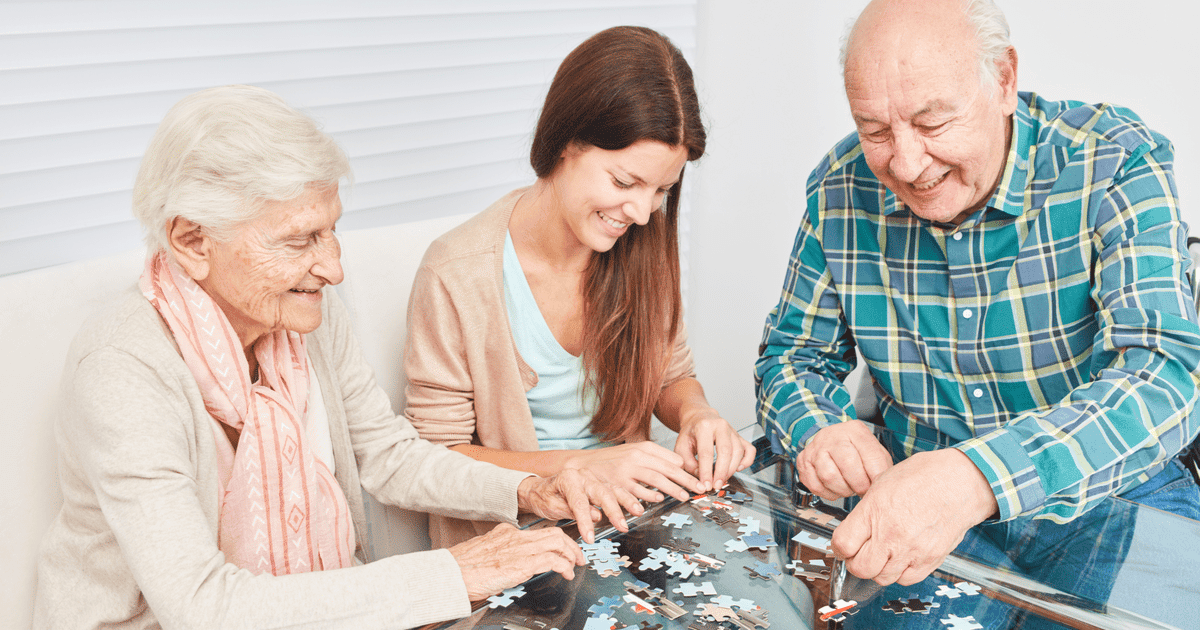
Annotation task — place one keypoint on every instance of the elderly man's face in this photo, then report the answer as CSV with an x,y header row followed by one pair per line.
x,y
269,276
929,130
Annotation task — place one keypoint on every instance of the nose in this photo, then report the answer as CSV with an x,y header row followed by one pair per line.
x,y
328,266
640,208
909,158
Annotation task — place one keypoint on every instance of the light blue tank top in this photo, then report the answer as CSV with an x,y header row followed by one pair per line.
x,y
561,413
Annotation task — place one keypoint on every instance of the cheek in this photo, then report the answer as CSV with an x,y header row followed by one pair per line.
x,y
878,157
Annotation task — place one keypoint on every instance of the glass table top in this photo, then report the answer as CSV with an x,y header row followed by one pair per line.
x,y
756,558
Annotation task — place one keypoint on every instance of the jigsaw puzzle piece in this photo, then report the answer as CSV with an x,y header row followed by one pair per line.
x,y
967,588
838,611
726,601
676,520
948,592
954,622
687,589
763,570
759,541
506,597
736,544
749,525
603,622
810,540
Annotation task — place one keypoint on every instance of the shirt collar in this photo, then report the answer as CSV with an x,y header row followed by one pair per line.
x,y
1009,197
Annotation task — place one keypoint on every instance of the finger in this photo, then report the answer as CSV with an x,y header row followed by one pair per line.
x,y
875,458
604,496
579,504
869,561
853,474
808,477
665,484
830,473
642,493
851,535
705,465
891,571
729,453
685,448
629,502
915,573
748,454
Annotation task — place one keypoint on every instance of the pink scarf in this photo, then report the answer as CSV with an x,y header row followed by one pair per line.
x,y
282,510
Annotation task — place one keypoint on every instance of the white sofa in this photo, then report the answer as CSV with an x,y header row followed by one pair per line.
x,y
40,311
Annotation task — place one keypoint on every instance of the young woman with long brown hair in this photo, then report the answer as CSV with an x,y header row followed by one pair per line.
x,y
545,331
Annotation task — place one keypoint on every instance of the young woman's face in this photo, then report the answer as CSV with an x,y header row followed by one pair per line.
x,y
601,193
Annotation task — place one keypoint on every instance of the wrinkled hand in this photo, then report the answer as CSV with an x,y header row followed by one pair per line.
x,y
507,556
572,493
633,467
842,460
712,450
913,516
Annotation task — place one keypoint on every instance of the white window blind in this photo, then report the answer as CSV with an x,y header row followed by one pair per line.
x,y
435,102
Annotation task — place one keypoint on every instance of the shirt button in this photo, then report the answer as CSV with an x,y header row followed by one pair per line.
x,y
967,313
978,393
958,236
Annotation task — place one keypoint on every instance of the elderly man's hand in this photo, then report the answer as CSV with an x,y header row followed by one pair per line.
x,y
572,493
914,515
842,460
507,556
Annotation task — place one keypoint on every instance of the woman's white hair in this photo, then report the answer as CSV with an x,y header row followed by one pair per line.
x,y
221,152
991,37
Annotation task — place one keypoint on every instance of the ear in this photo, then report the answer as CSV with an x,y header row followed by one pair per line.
x,y
572,149
191,246
1006,70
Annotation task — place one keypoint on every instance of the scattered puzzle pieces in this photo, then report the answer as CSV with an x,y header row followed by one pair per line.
x,y
749,525
603,622
682,545
948,592
920,605
813,570
735,544
838,611
713,612
739,497
506,597
967,588
605,606
763,570
726,601
677,520
809,540
954,622
687,589
818,517
759,541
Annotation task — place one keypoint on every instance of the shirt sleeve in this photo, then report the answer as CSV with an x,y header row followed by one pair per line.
x,y
807,349
1137,412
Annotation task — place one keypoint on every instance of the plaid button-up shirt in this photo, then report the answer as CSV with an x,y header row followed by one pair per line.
x,y
1051,336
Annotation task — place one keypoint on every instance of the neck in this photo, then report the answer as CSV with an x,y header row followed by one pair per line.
x,y
538,229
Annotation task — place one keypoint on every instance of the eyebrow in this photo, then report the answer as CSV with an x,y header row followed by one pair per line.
x,y
933,107
643,182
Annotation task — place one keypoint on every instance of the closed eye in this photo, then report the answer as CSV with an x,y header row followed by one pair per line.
x,y
622,185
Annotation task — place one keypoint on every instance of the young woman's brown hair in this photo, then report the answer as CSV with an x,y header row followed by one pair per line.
x,y
622,85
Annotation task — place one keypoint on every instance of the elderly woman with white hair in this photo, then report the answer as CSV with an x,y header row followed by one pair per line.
x,y
220,421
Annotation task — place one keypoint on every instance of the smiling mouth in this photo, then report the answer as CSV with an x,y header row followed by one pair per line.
x,y
922,187
305,290
609,220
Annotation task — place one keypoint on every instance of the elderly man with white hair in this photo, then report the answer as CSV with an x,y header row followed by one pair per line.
x,y
220,422
1013,270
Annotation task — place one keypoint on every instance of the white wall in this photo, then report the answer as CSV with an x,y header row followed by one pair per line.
x,y
771,91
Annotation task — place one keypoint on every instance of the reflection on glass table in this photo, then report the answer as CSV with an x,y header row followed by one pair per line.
x,y
757,558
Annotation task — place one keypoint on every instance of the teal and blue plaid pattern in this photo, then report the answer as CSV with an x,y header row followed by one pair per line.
x,y
1051,337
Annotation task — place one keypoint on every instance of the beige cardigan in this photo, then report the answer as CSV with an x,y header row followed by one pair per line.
x,y
135,544
466,380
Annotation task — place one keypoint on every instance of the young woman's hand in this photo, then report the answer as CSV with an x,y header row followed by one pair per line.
x,y
711,449
572,493
643,469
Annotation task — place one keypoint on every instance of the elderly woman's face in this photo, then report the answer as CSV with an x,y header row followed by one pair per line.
x,y
269,276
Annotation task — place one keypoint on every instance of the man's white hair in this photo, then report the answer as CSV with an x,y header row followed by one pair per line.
x,y
991,38
221,152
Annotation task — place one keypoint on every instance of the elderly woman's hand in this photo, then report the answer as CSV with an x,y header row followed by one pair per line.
x,y
572,493
507,556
